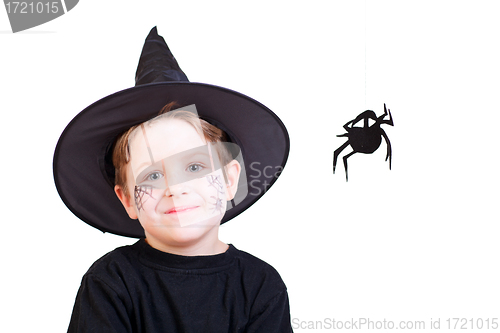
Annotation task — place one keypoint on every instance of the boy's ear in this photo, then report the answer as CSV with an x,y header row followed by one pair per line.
x,y
126,202
233,170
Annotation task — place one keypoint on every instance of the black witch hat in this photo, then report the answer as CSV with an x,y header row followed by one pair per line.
x,y
83,168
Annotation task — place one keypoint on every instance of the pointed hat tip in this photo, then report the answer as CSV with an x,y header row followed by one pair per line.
x,y
157,63
153,33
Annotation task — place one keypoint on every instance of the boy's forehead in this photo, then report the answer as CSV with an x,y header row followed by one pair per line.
x,y
174,127
163,138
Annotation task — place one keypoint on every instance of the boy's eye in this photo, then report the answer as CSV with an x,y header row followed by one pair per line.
x,y
154,176
194,168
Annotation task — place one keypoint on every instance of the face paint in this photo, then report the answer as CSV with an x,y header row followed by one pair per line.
x,y
139,192
216,183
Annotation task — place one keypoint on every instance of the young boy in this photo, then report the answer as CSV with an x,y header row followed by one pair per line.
x,y
178,174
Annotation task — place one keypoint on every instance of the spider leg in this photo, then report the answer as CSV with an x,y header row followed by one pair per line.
x,y
337,152
345,163
386,112
389,149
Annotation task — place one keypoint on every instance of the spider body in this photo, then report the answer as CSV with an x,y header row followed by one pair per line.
x,y
365,139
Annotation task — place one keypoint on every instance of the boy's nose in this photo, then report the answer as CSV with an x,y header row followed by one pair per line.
x,y
176,190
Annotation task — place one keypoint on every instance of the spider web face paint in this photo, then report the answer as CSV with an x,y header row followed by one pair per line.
x,y
139,192
215,182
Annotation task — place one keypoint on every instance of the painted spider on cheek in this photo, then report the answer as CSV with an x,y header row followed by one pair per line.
x,y
216,182
217,204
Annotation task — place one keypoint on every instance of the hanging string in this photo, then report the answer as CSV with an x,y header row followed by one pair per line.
x,y
365,55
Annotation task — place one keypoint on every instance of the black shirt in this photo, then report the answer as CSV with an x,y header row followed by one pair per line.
x,y
137,288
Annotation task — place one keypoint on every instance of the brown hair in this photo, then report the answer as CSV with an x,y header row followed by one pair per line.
x,y
211,133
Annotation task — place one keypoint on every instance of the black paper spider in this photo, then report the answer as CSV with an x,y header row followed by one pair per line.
x,y
365,139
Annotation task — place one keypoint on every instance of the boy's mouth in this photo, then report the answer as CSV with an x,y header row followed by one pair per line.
x,y
180,209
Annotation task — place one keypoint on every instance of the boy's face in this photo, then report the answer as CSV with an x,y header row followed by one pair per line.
x,y
175,180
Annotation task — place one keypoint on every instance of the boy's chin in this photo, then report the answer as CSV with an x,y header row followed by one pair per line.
x,y
184,231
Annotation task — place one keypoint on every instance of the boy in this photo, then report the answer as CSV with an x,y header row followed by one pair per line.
x,y
172,156
177,174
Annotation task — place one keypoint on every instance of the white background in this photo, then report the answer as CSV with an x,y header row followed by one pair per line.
x,y
416,242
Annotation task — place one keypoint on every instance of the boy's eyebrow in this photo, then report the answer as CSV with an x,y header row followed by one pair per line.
x,y
191,155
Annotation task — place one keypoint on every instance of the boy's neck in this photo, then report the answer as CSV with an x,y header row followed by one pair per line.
x,y
200,248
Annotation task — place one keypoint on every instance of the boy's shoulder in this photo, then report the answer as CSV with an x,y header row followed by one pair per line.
x,y
257,273
251,262
114,264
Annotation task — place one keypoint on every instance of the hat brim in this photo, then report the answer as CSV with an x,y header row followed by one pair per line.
x,y
79,158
